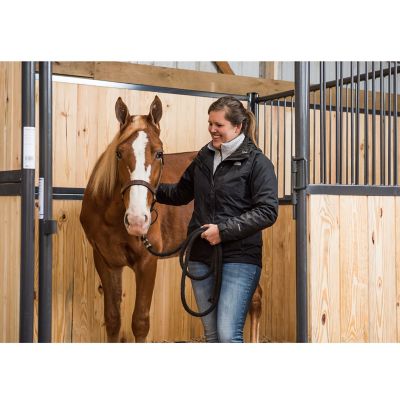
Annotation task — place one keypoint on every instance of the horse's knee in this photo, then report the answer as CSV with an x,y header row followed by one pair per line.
x,y
141,326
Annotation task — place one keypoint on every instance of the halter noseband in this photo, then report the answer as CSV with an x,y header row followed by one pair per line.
x,y
138,182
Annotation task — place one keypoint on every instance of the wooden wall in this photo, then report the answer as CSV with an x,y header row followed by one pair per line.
x,y
83,124
10,233
78,296
354,269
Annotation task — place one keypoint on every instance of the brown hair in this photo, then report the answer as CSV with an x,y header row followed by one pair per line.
x,y
236,114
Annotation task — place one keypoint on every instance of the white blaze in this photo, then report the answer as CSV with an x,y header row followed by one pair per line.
x,y
138,194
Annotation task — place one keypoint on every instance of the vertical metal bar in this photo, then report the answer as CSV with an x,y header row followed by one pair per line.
x,y
341,124
302,122
389,129
277,144
395,113
382,125
357,138
373,126
351,125
347,136
314,137
291,126
284,146
26,310
322,122
270,133
291,134
252,106
366,142
265,128
337,123
45,201
330,137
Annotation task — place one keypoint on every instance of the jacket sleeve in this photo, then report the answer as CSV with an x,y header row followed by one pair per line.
x,y
177,194
264,212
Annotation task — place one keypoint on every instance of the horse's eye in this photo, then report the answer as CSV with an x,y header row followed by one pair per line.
x,y
118,154
159,154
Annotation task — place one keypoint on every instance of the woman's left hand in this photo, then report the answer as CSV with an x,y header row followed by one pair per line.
x,y
211,234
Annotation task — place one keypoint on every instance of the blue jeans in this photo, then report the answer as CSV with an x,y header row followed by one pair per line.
x,y
239,281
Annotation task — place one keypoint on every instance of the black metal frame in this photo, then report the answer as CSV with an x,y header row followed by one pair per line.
x,y
27,209
47,226
300,164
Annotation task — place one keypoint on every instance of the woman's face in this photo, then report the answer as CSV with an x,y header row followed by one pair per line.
x,y
221,130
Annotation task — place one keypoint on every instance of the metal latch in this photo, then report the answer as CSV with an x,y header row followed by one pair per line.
x,y
49,226
299,179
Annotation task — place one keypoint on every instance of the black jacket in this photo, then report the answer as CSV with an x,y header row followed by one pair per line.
x,y
241,198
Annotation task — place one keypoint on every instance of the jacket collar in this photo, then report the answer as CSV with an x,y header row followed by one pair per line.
x,y
206,155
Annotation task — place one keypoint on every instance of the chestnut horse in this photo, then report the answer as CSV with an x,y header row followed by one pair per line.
x,y
117,209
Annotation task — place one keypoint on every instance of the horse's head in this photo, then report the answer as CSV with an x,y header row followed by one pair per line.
x,y
140,161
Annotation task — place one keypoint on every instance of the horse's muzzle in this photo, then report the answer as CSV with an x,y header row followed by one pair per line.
x,y
137,225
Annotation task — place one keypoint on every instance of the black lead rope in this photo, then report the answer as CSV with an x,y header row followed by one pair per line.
x,y
215,268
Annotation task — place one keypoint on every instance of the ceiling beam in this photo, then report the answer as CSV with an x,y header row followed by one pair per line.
x,y
171,77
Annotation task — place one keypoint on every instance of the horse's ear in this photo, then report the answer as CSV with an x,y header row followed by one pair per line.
x,y
155,113
121,111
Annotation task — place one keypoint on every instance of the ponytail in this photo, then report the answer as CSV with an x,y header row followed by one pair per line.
x,y
251,126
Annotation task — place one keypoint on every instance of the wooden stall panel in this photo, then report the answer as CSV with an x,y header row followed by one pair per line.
x,y
10,265
283,290
65,156
382,273
397,223
353,263
10,116
324,281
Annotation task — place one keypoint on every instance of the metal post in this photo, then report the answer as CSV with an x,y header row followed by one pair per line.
x,y
27,204
252,106
46,225
302,122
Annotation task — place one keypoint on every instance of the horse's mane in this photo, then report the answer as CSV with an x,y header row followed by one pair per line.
x,y
103,180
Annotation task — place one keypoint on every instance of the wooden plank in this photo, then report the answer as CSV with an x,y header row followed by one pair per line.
x,y
397,223
65,134
283,294
187,79
10,116
87,150
324,280
353,269
63,270
382,274
10,222
266,286
224,67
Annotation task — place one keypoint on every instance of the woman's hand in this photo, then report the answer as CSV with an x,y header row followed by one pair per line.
x,y
211,234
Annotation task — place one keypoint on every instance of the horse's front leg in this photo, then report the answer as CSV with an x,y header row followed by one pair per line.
x,y
111,280
145,278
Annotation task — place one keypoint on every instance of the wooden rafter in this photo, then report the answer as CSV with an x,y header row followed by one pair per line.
x,y
224,67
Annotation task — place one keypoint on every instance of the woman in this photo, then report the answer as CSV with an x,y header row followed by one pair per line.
x,y
234,188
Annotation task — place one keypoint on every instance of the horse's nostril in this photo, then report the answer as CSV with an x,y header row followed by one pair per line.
x,y
126,220
145,218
